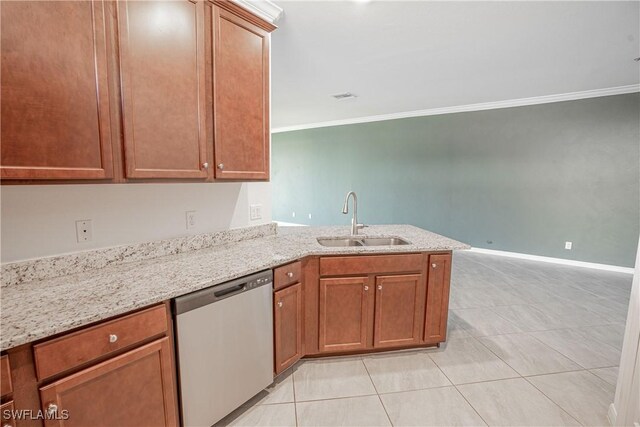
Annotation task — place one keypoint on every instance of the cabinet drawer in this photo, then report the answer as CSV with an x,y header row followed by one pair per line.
x,y
69,351
370,264
7,421
5,376
287,275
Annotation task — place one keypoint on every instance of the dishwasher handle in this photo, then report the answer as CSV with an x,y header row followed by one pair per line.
x,y
222,291
230,291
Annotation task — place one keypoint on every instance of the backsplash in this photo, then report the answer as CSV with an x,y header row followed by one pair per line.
x,y
26,271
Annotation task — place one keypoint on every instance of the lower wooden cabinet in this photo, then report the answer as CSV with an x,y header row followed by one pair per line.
x,y
288,323
437,309
345,304
133,389
399,310
6,414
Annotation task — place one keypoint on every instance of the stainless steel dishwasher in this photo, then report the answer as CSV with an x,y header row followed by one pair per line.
x,y
224,340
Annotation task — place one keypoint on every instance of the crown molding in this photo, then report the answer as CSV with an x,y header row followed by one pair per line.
x,y
264,9
619,90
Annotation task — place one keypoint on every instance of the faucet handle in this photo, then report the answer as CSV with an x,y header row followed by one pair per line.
x,y
361,225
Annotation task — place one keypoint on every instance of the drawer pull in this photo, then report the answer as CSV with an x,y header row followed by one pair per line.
x,y
52,409
289,275
113,338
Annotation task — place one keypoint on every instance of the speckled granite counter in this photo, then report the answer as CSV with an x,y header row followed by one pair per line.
x,y
39,308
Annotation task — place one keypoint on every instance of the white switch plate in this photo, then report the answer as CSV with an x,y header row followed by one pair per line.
x,y
255,212
84,232
190,217
568,245
293,214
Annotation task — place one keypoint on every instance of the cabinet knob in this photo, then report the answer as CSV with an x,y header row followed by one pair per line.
x,y
280,304
113,338
434,265
205,165
220,166
289,274
366,288
379,287
7,425
52,409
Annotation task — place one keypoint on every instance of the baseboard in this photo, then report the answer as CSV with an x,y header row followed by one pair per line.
x,y
593,265
612,414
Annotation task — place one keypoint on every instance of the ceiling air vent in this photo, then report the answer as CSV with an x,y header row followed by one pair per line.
x,y
341,96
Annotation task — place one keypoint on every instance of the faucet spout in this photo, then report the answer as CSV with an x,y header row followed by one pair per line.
x,y
345,210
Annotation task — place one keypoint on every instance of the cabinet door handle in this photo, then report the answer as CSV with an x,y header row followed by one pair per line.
x,y
205,165
220,166
113,338
366,288
379,287
289,274
52,409
434,265
279,304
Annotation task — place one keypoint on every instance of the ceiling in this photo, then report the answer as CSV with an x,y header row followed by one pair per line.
x,y
402,56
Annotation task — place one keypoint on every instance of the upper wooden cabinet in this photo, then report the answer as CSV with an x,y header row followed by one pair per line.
x,y
163,88
55,94
240,97
129,90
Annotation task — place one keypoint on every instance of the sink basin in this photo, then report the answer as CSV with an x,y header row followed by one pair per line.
x,y
344,242
340,243
384,241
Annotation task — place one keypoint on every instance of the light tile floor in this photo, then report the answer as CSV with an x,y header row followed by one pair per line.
x,y
528,343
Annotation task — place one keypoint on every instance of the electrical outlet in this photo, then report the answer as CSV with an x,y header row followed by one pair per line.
x,y
568,245
309,216
293,214
191,219
84,232
255,212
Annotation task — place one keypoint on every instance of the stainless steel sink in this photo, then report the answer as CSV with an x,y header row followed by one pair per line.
x,y
343,242
384,241
340,242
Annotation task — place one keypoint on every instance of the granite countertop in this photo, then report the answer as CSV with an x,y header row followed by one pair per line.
x,y
39,308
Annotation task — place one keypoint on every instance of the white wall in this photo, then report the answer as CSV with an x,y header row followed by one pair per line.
x,y
39,220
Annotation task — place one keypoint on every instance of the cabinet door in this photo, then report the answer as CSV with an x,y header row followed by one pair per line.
x,y
288,318
240,97
399,310
55,96
437,310
345,304
134,389
163,88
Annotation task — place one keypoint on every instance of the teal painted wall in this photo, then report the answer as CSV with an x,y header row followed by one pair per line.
x,y
526,179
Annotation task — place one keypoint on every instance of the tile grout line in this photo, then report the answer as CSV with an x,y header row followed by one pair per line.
x,y
384,408
529,382
295,402
554,402
457,390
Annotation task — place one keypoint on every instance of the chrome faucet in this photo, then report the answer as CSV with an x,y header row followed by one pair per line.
x,y
345,210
